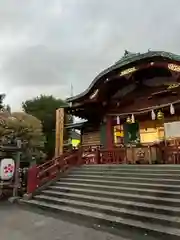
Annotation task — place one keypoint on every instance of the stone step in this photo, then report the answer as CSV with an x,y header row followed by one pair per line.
x,y
121,183
152,192
123,178
114,211
131,166
109,201
125,174
128,170
162,167
135,196
165,232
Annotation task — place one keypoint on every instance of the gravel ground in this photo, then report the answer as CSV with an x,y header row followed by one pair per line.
x,y
20,224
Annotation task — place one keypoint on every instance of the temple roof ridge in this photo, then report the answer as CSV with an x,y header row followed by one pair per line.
x,y
127,55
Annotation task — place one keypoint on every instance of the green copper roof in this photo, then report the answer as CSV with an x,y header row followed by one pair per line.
x,y
128,58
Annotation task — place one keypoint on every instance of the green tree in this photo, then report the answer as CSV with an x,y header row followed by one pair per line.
x,y
20,125
44,108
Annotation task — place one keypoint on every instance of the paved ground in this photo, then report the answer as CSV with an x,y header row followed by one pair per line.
x,y
20,224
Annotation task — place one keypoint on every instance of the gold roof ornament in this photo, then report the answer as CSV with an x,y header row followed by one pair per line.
x,y
160,115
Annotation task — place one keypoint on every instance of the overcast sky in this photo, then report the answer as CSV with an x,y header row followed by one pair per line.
x,y
45,45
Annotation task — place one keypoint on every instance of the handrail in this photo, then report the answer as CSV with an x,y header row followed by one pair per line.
x,y
42,174
51,161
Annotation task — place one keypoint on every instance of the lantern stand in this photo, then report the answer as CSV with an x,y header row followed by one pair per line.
x,y
13,148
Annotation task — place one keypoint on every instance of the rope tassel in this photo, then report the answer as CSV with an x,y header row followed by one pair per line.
x,y
172,110
153,115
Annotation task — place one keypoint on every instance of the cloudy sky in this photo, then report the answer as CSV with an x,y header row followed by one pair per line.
x,y
45,45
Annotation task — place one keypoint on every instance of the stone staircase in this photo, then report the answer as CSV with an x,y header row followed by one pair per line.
x,y
139,198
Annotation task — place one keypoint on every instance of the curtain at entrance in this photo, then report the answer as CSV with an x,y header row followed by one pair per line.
x,y
131,133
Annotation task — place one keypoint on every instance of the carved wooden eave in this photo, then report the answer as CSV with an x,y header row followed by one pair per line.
x,y
127,61
94,95
132,68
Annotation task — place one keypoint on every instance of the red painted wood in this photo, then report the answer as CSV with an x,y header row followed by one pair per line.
x,y
32,180
115,156
171,154
39,175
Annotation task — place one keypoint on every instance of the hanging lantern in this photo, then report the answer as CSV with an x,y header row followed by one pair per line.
x,y
153,115
118,120
132,118
128,120
160,115
172,110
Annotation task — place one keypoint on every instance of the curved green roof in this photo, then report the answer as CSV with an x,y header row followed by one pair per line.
x,y
128,58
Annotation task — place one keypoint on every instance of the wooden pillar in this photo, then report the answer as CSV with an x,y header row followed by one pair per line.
x,y
59,132
109,133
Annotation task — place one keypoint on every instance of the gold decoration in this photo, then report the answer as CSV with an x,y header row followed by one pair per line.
x,y
127,71
128,120
174,67
160,115
173,85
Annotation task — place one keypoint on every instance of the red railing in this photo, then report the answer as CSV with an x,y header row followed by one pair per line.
x,y
104,156
115,156
126,155
91,157
40,175
171,154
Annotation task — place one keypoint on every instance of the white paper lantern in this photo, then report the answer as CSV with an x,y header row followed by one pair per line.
x,y
7,168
